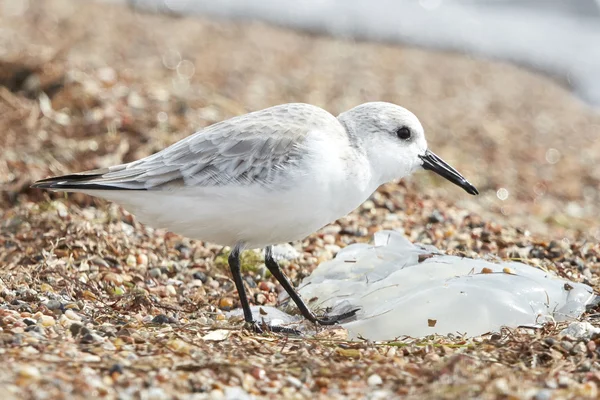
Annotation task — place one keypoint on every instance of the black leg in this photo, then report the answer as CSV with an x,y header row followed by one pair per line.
x,y
236,272
283,280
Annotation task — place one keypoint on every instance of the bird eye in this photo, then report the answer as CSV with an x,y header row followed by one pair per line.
x,y
403,133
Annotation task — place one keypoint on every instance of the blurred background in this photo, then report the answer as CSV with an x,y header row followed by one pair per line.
x,y
508,91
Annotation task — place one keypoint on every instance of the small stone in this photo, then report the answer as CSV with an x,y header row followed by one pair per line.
x,y
29,372
544,394
29,321
579,348
258,373
250,281
184,250
374,380
155,272
226,303
44,287
566,345
107,75
436,217
264,286
217,335
90,338
171,290
131,260
53,305
580,330
142,259
295,382
115,370
200,276
134,100
329,239
47,320
115,279
260,298
75,329
72,315
585,366
591,346
161,319
368,205
564,381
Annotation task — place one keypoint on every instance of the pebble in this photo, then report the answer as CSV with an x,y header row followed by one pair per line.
x,y
155,272
44,287
265,286
116,369
201,276
285,252
75,329
142,259
72,315
53,305
250,281
161,319
374,380
368,205
196,283
329,239
544,394
115,279
226,303
29,372
294,381
29,321
260,298
580,330
131,260
134,100
90,338
579,348
566,345
171,290
436,217
258,373
47,320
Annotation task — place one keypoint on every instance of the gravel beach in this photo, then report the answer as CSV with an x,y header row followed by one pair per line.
x,y
92,303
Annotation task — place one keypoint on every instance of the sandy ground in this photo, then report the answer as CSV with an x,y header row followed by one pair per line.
x,y
93,303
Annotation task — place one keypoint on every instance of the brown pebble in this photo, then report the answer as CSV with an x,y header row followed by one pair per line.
x,y
258,373
591,346
226,303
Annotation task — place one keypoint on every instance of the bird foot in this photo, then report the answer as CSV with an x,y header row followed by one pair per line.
x,y
334,319
258,327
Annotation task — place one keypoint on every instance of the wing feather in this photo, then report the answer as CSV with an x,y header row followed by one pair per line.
x,y
250,149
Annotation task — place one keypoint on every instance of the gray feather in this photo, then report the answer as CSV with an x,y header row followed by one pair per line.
x,y
255,148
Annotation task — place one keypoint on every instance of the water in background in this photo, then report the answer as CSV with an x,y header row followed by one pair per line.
x,y
558,37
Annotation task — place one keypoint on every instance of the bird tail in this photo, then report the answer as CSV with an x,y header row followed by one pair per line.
x,y
82,181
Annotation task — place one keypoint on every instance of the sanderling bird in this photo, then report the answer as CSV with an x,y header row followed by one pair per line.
x,y
267,177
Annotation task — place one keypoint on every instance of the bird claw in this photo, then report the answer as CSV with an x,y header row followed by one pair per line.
x,y
334,319
261,328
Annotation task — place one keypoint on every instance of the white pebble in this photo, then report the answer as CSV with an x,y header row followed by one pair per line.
x,y
374,380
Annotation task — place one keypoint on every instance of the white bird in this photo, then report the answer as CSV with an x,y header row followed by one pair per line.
x,y
267,177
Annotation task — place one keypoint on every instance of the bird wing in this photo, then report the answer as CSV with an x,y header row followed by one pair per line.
x,y
249,149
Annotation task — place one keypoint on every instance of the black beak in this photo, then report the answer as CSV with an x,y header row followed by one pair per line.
x,y
440,167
